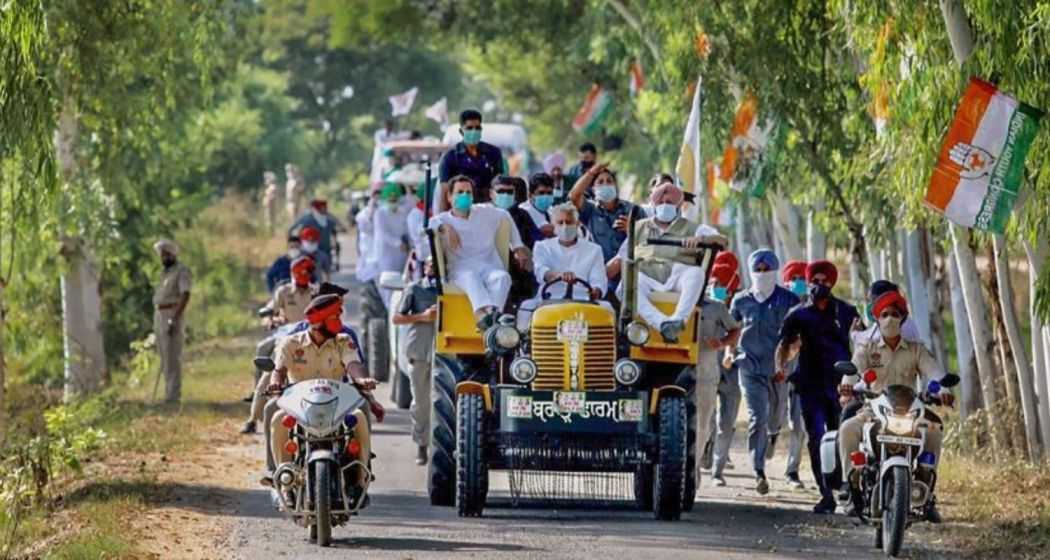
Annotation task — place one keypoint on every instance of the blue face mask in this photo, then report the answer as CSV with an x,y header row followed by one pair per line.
x,y
504,200
462,201
471,137
798,287
543,201
719,293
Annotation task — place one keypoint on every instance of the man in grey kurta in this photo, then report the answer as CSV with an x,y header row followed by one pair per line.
x,y
169,303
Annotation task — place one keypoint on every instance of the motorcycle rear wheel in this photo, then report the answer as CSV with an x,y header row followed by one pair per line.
x,y
895,510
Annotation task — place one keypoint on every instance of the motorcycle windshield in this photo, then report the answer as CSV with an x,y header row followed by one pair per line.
x,y
900,398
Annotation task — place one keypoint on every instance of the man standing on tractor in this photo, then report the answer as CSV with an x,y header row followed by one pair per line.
x,y
762,310
480,161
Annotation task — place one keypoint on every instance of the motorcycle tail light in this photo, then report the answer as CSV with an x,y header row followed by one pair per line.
x,y
870,376
858,458
353,448
291,447
288,422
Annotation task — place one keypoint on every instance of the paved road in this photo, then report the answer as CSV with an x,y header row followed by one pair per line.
x,y
730,522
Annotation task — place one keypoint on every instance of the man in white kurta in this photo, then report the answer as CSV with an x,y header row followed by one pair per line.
x,y
568,255
469,234
390,235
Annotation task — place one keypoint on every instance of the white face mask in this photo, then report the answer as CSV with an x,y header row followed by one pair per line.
x,y
763,283
321,217
567,232
666,212
605,193
890,327
310,246
294,253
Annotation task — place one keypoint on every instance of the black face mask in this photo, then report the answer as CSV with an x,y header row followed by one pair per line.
x,y
168,262
327,334
819,292
585,165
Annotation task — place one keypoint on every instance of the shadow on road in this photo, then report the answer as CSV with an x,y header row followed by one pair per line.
x,y
201,498
413,544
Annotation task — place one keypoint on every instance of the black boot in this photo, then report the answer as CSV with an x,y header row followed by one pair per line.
x,y
930,512
421,455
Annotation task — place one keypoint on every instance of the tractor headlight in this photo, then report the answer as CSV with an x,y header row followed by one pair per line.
x,y
627,372
523,370
502,338
637,333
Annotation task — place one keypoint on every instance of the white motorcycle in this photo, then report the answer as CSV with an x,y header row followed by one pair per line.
x,y
891,477
318,488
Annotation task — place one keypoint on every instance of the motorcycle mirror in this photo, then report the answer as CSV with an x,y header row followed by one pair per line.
x,y
264,363
950,380
845,368
265,312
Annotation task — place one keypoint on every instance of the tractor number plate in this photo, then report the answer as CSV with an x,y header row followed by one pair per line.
x,y
899,440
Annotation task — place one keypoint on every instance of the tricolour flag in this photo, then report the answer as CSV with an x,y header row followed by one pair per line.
x,y
753,150
594,110
689,162
401,104
637,79
980,169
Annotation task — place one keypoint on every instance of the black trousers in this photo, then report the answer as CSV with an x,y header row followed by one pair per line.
x,y
820,414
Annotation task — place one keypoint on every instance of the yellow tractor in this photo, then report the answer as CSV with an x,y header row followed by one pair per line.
x,y
559,401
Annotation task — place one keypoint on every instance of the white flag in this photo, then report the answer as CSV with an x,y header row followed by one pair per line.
x,y
438,112
689,161
402,104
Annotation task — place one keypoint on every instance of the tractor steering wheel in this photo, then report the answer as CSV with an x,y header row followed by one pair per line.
x,y
569,292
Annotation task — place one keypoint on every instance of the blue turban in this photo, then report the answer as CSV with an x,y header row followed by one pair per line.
x,y
763,256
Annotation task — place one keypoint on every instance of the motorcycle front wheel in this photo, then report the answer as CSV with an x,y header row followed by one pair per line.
x,y
896,502
323,503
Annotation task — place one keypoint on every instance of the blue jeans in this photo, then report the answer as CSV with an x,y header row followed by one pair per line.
x,y
757,397
820,414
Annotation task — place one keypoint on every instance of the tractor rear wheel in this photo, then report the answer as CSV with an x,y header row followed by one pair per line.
x,y
472,473
441,467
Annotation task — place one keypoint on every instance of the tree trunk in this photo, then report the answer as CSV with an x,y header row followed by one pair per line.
x,y
967,358
918,292
816,241
935,280
1041,371
1011,324
981,331
85,356
786,228
875,271
3,368
858,270
743,240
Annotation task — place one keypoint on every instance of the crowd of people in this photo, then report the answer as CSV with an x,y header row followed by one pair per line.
x,y
772,345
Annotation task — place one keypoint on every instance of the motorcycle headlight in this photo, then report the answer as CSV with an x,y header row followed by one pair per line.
x,y
900,425
637,333
627,372
523,370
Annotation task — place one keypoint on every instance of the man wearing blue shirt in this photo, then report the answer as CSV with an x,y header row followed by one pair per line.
x,y
761,310
280,271
818,332
325,224
480,161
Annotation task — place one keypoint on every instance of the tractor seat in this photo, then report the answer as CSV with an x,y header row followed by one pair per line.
x,y
664,297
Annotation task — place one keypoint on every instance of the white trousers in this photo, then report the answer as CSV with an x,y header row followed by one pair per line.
x,y
684,279
484,288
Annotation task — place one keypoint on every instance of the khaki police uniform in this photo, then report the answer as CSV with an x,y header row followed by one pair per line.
x,y
904,365
304,359
175,281
290,301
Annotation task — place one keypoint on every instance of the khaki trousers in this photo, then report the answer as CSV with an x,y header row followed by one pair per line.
x,y
169,346
279,436
851,433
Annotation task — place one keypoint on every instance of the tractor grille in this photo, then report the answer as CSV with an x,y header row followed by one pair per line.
x,y
596,360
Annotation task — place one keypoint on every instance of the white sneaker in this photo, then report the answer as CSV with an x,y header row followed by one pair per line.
x,y
718,481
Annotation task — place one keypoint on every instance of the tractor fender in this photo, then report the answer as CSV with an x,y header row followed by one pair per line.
x,y
661,392
475,388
